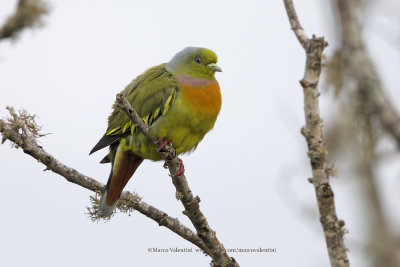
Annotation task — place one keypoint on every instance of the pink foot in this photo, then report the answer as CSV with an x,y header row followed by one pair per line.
x,y
161,144
181,171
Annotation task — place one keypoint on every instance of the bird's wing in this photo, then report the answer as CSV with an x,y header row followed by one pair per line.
x,y
150,94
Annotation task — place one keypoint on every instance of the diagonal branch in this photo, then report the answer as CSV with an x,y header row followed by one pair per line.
x,y
214,247
317,152
27,142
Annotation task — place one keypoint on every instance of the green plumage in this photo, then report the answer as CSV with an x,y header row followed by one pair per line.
x,y
151,94
157,98
179,101
146,93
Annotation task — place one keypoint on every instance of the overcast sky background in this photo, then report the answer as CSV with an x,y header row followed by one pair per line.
x,y
250,172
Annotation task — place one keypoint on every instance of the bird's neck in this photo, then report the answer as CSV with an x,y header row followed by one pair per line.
x,y
186,80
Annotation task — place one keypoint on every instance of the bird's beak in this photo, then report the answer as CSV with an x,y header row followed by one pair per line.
x,y
214,67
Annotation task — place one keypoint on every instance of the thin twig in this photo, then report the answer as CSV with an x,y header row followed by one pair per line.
x,y
26,141
295,24
312,131
214,247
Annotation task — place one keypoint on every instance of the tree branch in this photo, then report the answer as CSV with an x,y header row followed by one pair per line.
x,y
214,247
205,238
358,65
28,14
295,24
312,131
360,73
22,131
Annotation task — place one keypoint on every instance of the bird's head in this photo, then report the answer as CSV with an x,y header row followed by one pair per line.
x,y
196,62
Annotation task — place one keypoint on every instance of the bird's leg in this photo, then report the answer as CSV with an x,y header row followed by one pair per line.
x,y
181,171
181,168
161,144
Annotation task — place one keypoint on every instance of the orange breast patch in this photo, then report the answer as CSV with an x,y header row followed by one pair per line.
x,y
204,96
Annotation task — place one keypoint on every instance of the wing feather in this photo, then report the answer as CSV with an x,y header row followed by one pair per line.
x,y
150,94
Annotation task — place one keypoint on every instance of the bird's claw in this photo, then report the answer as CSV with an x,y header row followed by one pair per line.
x,y
161,145
165,165
181,171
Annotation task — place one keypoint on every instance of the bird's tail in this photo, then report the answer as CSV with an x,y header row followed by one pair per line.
x,y
123,167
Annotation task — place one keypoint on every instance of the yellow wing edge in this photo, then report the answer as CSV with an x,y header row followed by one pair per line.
x,y
149,119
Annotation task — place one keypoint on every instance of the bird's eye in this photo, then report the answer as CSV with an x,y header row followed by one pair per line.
x,y
197,60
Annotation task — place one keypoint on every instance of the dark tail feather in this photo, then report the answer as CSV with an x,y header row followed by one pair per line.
x,y
106,159
123,167
107,140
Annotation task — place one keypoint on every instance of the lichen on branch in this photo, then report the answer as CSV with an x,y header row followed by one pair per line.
x,y
28,14
22,131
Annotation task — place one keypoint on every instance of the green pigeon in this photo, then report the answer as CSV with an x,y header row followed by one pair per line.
x,y
179,101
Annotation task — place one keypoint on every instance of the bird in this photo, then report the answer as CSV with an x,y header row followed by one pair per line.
x,y
179,101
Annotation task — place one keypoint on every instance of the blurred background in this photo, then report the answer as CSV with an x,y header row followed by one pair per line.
x,y
250,172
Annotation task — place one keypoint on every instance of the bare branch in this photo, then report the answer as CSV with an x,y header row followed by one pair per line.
x,y
295,23
18,130
359,72
214,247
357,63
29,14
312,131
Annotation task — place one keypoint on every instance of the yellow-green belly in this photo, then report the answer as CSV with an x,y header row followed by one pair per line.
x,y
183,125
